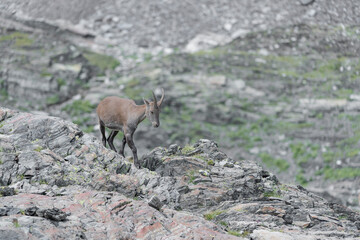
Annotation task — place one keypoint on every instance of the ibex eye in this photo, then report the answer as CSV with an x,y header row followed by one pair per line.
x,y
152,112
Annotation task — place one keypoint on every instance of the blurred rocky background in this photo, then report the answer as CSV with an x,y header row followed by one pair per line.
x,y
277,82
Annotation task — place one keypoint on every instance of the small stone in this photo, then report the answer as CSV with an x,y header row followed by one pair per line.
x,y
173,149
218,80
124,26
264,52
7,191
155,203
204,172
306,2
354,97
3,211
254,150
311,13
357,224
240,33
227,26
239,84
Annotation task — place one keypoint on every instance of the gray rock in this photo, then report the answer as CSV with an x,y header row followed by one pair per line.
x,y
85,188
7,191
306,2
155,203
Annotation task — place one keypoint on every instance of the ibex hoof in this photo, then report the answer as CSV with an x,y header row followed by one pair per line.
x,y
137,165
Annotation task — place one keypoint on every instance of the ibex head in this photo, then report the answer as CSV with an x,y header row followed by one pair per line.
x,y
153,109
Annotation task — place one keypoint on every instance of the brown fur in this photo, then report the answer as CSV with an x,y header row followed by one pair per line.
x,y
120,114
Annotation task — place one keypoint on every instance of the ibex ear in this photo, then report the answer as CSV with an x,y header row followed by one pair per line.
x,y
146,102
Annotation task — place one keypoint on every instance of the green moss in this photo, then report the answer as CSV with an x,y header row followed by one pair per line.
x,y
16,223
89,129
147,57
38,149
42,181
187,149
288,126
300,178
326,69
18,39
79,107
302,153
352,153
210,162
329,157
191,176
270,161
133,89
343,93
319,115
103,62
44,73
274,193
216,52
350,141
52,100
223,223
199,156
340,173
80,120
61,82
234,233
3,93
211,215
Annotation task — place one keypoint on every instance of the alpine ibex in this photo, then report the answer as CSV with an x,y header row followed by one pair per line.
x,y
120,114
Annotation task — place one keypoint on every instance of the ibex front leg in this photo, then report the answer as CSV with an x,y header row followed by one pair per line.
x,y
121,151
130,142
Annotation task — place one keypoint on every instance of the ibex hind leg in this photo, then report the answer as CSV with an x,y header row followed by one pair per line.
x,y
102,130
110,139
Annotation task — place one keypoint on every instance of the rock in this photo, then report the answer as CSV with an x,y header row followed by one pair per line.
x,y
79,195
253,92
238,84
124,26
206,41
240,33
306,2
353,106
76,68
52,214
6,191
173,149
322,104
155,203
218,80
311,12
354,97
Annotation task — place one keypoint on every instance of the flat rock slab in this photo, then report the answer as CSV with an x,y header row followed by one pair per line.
x,y
102,215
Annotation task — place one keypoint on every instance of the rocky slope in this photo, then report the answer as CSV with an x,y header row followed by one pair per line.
x,y
282,89
61,183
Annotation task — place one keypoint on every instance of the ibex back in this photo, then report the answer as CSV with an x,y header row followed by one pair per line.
x,y
120,114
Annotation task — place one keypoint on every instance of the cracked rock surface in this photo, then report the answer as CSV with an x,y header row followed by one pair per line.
x,y
61,183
